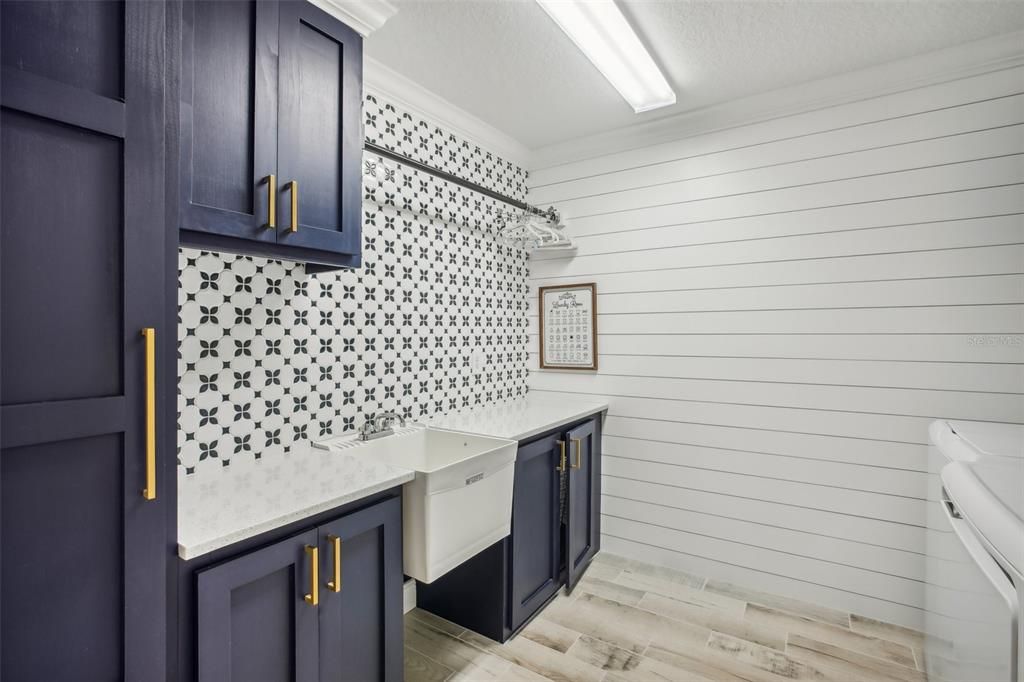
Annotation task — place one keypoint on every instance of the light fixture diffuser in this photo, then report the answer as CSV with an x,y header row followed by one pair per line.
x,y
601,31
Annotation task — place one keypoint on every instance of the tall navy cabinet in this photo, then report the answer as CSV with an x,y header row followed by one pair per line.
x,y
85,443
271,131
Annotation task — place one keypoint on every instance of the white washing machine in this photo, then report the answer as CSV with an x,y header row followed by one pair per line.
x,y
975,562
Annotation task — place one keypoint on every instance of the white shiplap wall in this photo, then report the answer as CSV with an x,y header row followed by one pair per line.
x,y
783,307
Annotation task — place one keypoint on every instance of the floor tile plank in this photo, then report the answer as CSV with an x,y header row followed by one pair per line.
x,y
802,608
831,634
420,668
680,592
769,660
452,652
713,619
714,665
609,590
845,664
550,634
436,622
537,658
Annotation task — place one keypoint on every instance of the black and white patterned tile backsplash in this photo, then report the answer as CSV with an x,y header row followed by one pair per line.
x,y
435,320
401,132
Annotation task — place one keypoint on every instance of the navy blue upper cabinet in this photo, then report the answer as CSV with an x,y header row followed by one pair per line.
x,y
320,135
271,131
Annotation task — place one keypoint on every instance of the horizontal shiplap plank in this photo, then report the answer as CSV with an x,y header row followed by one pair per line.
x,y
949,235
839,551
855,502
974,174
907,347
889,587
914,402
989,113
979,290
985,260
752,575
990,319
883,440
813,522
927,375
624,445
908,103
831,169
876,215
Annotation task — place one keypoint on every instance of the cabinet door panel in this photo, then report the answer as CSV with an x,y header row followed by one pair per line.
x,y
320,138
228,116
361,624
83,268
535,527
253,623
584,523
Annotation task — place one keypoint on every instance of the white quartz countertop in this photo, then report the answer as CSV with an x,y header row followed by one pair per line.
x,y
250,497
518,419
255,496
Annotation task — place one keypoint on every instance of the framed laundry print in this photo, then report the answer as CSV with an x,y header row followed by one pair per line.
x,y
568,326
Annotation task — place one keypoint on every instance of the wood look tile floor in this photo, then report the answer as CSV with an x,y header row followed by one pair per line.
x,y
633,622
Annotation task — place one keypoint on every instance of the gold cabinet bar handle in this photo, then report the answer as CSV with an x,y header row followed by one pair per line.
x,y
335,585
561,459
293,188
149,492
313,597
579,453
271,201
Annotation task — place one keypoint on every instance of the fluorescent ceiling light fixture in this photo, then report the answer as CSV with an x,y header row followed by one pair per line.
x,y
603,34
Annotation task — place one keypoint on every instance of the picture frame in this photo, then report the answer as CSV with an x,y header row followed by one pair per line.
x,y
567,315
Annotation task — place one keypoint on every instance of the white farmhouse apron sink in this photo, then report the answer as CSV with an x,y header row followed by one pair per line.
x,y
460,502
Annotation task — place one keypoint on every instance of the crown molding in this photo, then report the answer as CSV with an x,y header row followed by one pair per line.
x,y
364,16
954,63
414,98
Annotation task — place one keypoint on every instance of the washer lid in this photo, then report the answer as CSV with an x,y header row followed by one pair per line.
x,y
989,490
964,441
991,438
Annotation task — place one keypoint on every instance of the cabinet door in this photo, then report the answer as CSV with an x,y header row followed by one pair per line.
x,y
321,136
361,595
83,268
583,530
535,527
254,622
228,116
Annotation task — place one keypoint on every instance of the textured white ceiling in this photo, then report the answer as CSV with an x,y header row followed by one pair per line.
x,y
506,62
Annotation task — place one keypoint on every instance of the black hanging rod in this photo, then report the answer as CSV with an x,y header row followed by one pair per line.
x,y
419,165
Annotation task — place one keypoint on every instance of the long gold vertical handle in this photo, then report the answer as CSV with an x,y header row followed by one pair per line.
x,y
579,453
335,585
149,492
561,458
293,188
271,201
313,597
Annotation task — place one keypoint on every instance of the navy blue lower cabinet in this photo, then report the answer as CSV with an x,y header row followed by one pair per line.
x,y
361,598
256,616
536,540
583,521
320,605
554,537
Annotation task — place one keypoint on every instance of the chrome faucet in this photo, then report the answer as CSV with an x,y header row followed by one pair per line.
x,y
380,426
